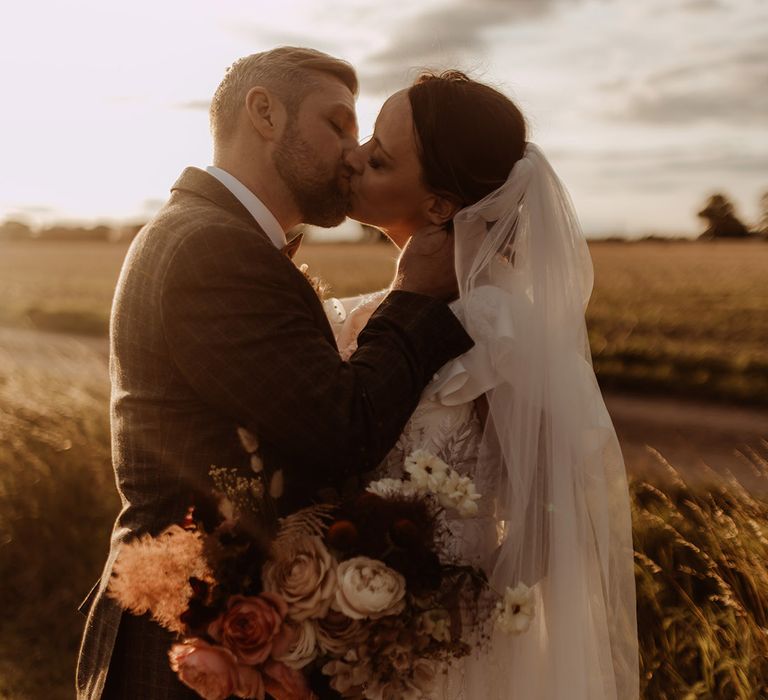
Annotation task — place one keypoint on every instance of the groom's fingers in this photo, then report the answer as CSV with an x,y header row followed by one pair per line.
x,y
431,240
426,264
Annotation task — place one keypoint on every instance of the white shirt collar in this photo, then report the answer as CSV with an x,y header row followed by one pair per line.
x,y
265,218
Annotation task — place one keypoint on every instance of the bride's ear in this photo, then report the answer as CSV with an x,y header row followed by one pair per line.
x,y
440,209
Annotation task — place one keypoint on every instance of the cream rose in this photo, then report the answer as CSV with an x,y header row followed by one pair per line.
x,y
303,573
368,588
303,646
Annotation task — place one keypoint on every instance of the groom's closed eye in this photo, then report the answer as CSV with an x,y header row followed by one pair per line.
x,y
343,121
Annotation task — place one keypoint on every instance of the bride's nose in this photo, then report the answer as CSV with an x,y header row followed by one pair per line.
x,y
355,160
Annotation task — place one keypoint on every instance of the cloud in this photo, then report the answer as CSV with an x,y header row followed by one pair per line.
x,y
195,105
703,5
261,38
456,30
714,85
36,209
731,104
683,160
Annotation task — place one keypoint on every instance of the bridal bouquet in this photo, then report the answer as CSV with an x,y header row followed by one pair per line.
x,y
360,595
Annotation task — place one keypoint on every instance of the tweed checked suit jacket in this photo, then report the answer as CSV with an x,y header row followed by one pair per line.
x,y
214,328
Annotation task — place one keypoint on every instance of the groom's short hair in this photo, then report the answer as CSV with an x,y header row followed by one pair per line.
x,y
289,72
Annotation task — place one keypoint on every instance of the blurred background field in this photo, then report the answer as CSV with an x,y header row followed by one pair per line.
x,y
685,318
689,319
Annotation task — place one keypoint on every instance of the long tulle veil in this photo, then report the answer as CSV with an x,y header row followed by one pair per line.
x,y
562,503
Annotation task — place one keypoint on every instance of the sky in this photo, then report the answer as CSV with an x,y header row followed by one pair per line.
x,y
644,108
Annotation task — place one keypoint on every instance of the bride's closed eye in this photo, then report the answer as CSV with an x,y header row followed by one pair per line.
x,y
374,163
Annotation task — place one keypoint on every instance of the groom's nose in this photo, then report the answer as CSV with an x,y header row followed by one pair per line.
x,y
355,160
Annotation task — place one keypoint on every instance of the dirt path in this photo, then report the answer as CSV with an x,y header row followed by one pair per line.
x,y
689,434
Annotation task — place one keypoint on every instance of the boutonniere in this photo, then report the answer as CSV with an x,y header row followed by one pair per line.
x,y
319,285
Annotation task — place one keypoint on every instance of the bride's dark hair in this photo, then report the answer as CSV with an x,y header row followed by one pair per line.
x,y
468,134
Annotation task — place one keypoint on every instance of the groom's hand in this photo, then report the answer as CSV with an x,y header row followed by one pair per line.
x,y
426,265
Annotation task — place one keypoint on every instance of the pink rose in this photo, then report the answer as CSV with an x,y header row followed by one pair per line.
x,y
251,626
284,683
250,683
211,671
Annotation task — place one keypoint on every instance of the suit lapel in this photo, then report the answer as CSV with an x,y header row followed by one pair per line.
x,y
202,184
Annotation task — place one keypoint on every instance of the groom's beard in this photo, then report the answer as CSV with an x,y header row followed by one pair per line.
x,y
321,196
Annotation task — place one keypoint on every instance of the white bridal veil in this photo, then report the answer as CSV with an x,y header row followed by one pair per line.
x,y
525,276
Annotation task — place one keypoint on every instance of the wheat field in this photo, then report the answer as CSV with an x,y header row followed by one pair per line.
x,y
680,317
688,316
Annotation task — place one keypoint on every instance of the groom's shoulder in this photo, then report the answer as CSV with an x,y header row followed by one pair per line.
x,y
194,224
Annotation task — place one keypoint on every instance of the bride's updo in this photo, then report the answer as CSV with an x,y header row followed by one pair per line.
x,y
468,134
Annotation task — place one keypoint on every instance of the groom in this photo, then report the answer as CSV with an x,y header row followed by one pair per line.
x,y
214,328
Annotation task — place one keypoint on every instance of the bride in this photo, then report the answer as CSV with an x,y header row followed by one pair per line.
x,y
521,412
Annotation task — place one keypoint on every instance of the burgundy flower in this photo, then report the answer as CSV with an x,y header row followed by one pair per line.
x,y
342,535
405,533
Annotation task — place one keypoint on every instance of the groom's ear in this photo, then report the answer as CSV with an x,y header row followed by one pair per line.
x,y
440,209
265,112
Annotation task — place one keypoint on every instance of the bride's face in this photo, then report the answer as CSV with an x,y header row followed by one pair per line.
x,y
387,190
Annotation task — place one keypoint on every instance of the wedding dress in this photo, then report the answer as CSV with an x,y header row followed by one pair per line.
x,y
445,423
555,512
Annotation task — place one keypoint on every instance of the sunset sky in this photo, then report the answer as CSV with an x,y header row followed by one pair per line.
x,y
644,107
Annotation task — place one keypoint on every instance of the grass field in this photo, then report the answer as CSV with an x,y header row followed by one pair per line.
x,y
684,318
701,550
700,564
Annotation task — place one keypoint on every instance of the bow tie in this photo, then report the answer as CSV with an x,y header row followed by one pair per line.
x,y
291,248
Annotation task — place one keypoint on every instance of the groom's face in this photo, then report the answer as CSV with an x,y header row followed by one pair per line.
x,y
310,156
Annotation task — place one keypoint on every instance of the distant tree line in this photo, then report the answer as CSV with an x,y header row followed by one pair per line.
x,y
19,231
722,221
13,230
718,212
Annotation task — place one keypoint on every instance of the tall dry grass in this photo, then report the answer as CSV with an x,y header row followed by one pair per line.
x,y
701,573
57,501
702,586
659,317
